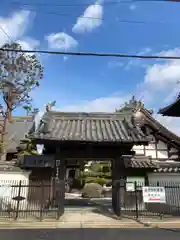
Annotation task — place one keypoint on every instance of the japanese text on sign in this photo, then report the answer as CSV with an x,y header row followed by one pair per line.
x,y
154,194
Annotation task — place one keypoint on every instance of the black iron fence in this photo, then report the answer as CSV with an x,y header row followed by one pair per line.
x,y
43,199
132,202
36,199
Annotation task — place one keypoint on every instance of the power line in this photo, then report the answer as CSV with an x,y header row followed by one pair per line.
x,y
73,5
6,33
92,54
120,20
81,4
95,18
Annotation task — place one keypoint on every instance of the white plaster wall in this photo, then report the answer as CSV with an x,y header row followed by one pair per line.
x,y
164,177
168,180
150,150
138,149
7,179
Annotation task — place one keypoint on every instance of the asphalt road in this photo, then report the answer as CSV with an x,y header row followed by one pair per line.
x,y
89,234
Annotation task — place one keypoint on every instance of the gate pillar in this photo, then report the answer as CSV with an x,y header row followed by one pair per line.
x,y
60,184
118,172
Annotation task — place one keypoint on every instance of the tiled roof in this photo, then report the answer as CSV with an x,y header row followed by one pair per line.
x,y
16,131
168,170
168,167
139,162
89,127
172,109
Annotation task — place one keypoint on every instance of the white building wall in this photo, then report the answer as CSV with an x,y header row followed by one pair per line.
x,y
7,192
164,178
171,182
158,150
157,154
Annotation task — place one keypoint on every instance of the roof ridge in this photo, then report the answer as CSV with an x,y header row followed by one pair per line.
x,y
87,115
177,138
63,129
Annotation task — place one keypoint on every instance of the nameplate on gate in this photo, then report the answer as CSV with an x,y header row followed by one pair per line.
x,y
38,161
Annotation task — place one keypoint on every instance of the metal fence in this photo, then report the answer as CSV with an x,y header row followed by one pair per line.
x,y
36,199
132,204
42,200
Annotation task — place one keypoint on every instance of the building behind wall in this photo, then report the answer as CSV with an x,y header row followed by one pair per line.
x,y
163,150
164,147
17,130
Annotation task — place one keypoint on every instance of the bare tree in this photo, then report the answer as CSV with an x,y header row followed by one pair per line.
x,y
19,75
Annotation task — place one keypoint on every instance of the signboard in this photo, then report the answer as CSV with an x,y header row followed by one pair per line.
x,y
38,161
154,194
42,161
130,187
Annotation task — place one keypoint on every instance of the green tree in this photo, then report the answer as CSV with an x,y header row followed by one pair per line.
x,y
96,167
19,75
23,70
25,148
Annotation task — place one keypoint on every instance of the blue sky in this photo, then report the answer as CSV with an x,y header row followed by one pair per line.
x,y
99,84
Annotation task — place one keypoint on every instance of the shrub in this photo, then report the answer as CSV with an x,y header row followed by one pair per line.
x,y
96,167
106,169
92,190
90,179
100,180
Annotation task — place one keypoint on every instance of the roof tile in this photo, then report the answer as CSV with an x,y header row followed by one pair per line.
x,y
93,127
139,161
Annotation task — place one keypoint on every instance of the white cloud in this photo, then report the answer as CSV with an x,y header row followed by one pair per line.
x,y
128,65
172,123
161,78
106,104
160,82
163,75
16,26
61,41
91,19
28,43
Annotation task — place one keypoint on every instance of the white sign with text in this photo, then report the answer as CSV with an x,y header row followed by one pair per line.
x,y
130,187
154,194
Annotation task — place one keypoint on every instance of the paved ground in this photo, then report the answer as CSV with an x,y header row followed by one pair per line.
x,y
93,213
89,234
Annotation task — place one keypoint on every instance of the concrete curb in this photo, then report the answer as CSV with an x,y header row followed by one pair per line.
x,y
68,226
60,224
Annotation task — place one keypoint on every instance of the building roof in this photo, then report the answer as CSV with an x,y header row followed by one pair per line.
x,y
16,131
144,117
139,161
168,167
89,127
172,110
158,128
